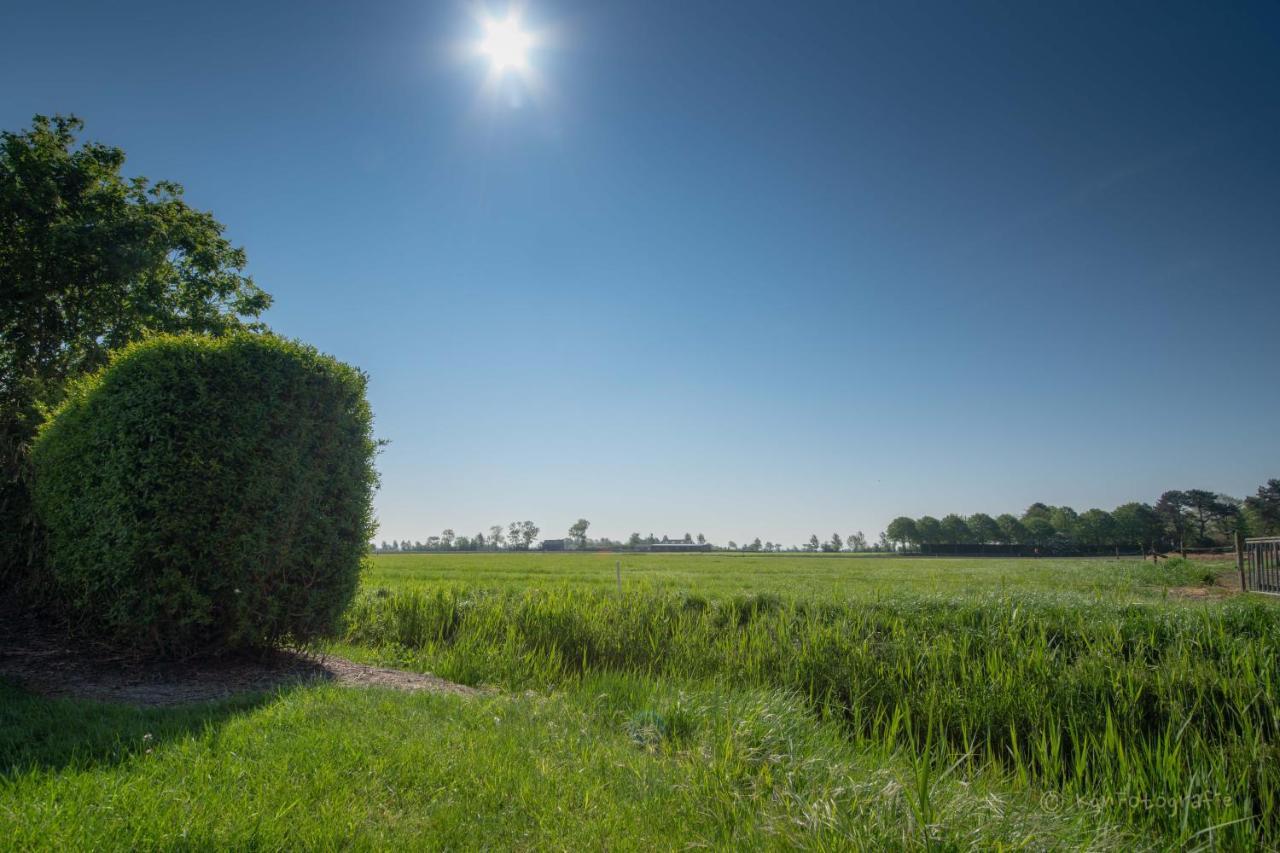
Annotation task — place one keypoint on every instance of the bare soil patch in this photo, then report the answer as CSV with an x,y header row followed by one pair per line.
x,y
51,666
1225,583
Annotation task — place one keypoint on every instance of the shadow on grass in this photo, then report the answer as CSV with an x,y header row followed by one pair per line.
x,y
40,733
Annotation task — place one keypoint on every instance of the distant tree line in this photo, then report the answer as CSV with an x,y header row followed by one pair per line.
x,y
853,543
635,540
1194,518
517,536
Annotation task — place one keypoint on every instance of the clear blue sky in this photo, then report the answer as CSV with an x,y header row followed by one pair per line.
x,y
749,269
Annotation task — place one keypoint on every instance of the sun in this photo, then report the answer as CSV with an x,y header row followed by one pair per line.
x,y
505,44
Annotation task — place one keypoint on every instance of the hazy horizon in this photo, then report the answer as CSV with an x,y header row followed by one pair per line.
x,y
768,273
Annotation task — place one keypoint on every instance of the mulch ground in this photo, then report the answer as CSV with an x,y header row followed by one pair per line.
x,y
51,666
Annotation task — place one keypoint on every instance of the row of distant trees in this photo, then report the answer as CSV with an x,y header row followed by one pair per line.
x,y
855,542
1178,519
1194,518
520,536
517,536
635,540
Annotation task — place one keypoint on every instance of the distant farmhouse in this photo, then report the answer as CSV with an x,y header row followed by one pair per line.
x,y
553,544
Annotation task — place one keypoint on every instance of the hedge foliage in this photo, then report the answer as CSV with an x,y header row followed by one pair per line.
x,y
207,494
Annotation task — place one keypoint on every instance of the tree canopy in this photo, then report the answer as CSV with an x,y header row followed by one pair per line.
x,y
1265,507
93,260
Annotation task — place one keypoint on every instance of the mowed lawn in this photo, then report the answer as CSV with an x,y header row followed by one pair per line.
x,y
588,767
816,576
723,701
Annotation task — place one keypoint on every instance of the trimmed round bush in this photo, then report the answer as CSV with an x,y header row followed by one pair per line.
x,y
203,495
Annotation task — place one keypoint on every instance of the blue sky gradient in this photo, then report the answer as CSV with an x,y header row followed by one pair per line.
x,y
751,269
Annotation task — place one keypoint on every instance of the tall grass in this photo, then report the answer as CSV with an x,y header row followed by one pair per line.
x,y
1161,717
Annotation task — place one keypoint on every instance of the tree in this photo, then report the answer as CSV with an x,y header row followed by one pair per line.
x,y
1037,510
688,540
755,544
903,531
955,530
1264,507
1011,530
1064,519
1040,531
928,530
1136,524
1204,508
477,542
1172,509
836,543
813,544
1095,528
702,540
578,532
984,528
635,541
733,546
91,261
522,533
1229,517
857,541
446,538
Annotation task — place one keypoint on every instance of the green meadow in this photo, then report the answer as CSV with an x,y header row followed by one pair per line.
x,y
817,576
722,701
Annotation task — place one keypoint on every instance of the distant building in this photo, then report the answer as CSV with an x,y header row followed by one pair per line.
x,y
680,546
553,544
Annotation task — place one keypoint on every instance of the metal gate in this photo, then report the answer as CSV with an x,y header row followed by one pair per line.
x,y
1260,568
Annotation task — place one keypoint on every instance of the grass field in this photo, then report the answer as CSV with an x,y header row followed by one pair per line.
x,y
721,700
816,576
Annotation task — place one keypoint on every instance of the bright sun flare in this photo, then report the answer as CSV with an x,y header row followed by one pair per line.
x,y
505,44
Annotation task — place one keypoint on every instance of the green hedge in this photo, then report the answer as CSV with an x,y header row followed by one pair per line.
x,y
208,494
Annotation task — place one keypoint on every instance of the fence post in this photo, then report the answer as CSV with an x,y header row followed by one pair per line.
x,y
1244,586
617,567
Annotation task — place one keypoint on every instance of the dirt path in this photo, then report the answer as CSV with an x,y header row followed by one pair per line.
x,y
47,666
